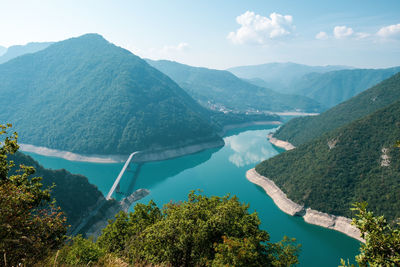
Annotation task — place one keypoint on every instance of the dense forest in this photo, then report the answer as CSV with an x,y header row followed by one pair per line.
x,y
218,87
297,131
354,163
87,95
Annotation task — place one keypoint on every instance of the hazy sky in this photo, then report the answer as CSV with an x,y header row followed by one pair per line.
x,y
219,33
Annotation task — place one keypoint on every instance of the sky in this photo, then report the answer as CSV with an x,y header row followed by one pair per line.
x,y
219,33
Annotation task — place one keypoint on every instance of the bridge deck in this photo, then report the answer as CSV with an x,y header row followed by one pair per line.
x,y
116,182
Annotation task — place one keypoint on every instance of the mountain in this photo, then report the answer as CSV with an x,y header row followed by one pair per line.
x,y
280,76
222,88
356,162
334,87
2,50
86,95
19,50
297,131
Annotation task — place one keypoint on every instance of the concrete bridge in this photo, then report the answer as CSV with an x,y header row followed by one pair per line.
x,y
116,182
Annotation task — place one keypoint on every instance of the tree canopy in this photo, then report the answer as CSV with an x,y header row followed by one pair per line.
x,y
30,225
202,231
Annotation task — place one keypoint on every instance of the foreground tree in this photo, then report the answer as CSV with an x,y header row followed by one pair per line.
x,y
30,225
203,231
382,241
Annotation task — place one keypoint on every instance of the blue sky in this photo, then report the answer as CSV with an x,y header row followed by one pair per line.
x,y
219,34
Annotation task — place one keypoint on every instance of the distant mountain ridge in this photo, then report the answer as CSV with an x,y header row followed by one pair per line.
x,y
334,87
88,96
297,131
280,76
224,88
19,50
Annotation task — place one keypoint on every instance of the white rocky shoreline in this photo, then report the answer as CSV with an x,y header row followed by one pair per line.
x,y
280,143
338,223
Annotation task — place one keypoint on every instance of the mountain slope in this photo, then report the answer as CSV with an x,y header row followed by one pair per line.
x,y
357,162
87,95
334,87
73,193
280,76
297,131
19,50
224,88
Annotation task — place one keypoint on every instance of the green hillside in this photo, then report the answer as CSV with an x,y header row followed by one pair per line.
x,y
334,87
344,166
87,95
218,87
298,131
73,193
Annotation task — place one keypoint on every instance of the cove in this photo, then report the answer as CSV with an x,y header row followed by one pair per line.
x,y
219,172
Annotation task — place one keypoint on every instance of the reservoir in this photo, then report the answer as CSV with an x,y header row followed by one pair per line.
x,y
218,172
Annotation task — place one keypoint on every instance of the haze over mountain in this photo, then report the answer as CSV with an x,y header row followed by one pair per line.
x,y
297,131
2,50
19,50
220,87
354,163
334,87
280,76
87,95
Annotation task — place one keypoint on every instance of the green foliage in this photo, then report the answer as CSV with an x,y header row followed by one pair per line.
x,y
74,194
30,226
222,87
297,131
97,98
80,251
203,231
344,166
382,241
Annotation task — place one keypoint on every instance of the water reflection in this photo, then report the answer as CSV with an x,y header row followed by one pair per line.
x,y
249,148
149,175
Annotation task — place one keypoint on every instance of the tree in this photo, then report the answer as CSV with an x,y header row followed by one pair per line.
x,y
201,231
30,224
382,241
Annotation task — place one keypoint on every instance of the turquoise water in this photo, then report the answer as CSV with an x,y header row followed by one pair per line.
x,y
219,172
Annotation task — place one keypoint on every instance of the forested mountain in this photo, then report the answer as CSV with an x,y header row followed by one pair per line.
x,y
87,95
300,130
209,86
334,87
73,193
357,162
280,76
19,50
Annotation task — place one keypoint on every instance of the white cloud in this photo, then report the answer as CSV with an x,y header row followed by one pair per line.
x,y
256,29
322,36
391,31
362,35
341,32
